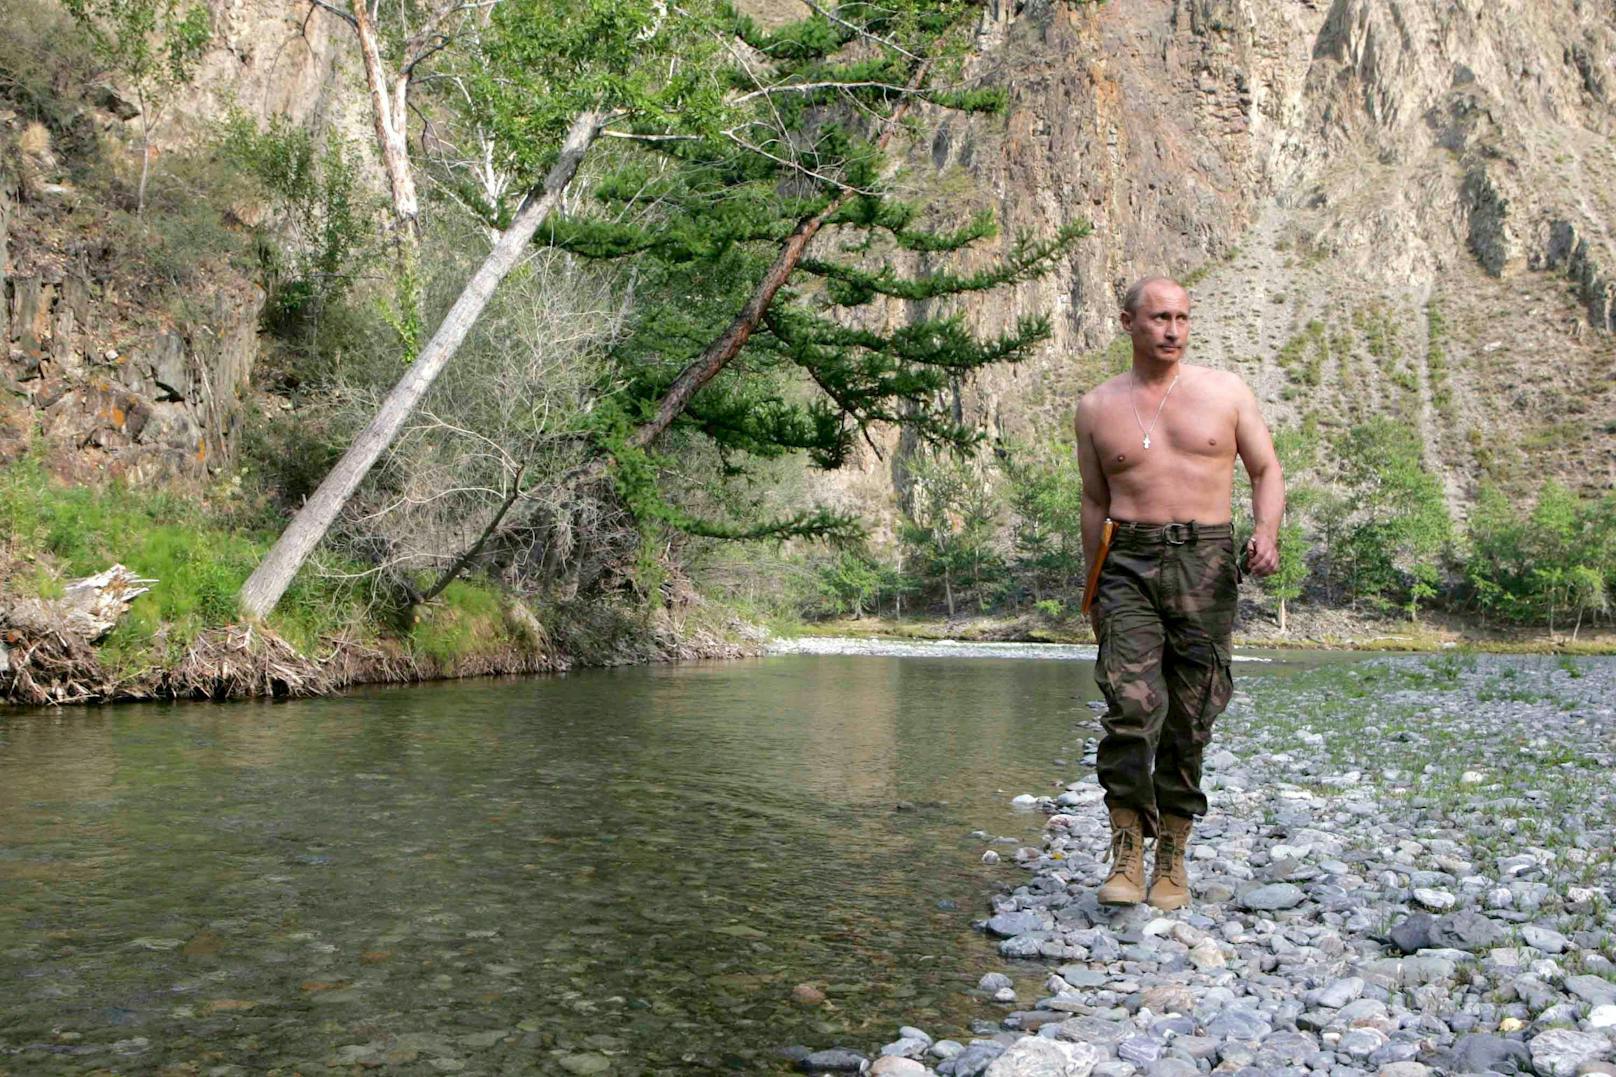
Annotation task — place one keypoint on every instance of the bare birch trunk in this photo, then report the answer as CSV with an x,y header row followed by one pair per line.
x,y
269,581
388,114
145,153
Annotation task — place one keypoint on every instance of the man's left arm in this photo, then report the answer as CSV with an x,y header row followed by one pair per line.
x,y
1256,449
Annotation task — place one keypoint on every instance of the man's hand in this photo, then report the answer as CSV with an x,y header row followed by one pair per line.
x,y
1262,555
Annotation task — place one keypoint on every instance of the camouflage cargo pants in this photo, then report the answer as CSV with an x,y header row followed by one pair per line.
x,y
1166,602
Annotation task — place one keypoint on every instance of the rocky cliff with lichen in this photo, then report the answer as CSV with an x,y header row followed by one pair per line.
x,y
116,374
1384,206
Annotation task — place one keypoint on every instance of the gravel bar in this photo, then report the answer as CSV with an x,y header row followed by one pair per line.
x,y
1407,869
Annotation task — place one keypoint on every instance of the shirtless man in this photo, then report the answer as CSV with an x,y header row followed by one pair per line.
x,y
1156,446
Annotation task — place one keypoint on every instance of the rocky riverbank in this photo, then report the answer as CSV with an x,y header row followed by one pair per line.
x,y
1407,869
1309,628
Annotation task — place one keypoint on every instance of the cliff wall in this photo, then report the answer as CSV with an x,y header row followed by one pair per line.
x,y
1384,207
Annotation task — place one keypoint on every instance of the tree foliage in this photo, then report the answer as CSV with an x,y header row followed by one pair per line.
x,y
717,174
318,236
155,44
1557,561
1399,530
950,528
1044,496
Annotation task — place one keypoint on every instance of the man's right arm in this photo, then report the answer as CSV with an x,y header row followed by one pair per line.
x,y
1096,504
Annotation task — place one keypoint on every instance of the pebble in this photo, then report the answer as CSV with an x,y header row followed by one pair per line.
x,y
1038,1057
1440,900
1594,990
1546,939
835,1060
1559,1051
1172,1067
807,995
1272,897
1341,992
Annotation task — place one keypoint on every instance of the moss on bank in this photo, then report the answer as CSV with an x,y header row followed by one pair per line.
x,y
340,632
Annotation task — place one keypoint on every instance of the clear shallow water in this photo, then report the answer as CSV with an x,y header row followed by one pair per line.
x,y
632,867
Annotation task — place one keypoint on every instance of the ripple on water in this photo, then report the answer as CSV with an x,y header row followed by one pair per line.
x,y
636,866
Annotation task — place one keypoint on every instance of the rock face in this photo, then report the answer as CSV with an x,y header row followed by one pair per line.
x,y
1424,180
114,384
145,403
1355,164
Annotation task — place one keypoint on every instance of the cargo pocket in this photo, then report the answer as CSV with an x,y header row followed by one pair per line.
x,y
1102,665
1215,698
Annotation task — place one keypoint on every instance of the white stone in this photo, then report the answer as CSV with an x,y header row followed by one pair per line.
x,y
1187,934
1543,938
1025,800
1206,955
1580,898
1438,900
893,1066
1034,1056
1602,1016
906,1047
1559,1051
1472,777
1341,992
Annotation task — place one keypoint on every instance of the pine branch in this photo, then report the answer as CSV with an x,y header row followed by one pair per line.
x,y
853,286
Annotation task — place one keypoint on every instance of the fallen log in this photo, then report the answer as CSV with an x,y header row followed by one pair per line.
x,y
47,645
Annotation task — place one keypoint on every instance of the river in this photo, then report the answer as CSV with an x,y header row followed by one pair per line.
x,y
621,871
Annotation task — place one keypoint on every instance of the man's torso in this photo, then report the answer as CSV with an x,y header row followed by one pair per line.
x,y
1188,471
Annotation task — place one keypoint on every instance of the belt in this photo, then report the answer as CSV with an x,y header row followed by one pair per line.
x,y
1172,534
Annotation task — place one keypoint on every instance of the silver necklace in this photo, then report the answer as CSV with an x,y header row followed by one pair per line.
x,y
1143,429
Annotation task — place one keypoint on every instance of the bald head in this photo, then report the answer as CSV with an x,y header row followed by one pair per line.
x,y
1136,291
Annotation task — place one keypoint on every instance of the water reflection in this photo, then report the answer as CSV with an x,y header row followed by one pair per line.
x,y
629,867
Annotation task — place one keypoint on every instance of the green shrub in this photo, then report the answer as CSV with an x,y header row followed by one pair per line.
x,y
315,243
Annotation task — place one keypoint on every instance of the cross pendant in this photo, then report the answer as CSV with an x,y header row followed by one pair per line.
x,y
1147,441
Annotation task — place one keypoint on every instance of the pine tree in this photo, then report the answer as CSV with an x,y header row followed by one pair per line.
x,y
805,234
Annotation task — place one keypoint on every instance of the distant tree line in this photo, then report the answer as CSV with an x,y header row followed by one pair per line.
x,y
1368,525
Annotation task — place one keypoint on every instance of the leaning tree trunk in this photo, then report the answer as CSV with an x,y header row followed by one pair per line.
x,y
723,349
269,581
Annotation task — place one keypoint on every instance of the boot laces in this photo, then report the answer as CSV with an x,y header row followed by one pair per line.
x,y
1170,855
1123,848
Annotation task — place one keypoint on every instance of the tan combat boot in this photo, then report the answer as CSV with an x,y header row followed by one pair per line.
x,y
1170,878
1126,884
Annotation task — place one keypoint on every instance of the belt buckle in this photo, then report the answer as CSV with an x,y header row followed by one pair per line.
x,y
1176,534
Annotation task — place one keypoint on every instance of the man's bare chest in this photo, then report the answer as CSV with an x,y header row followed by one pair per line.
x,y
1202,431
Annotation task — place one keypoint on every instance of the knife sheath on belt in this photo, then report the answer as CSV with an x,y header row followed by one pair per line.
x,y
1109,530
